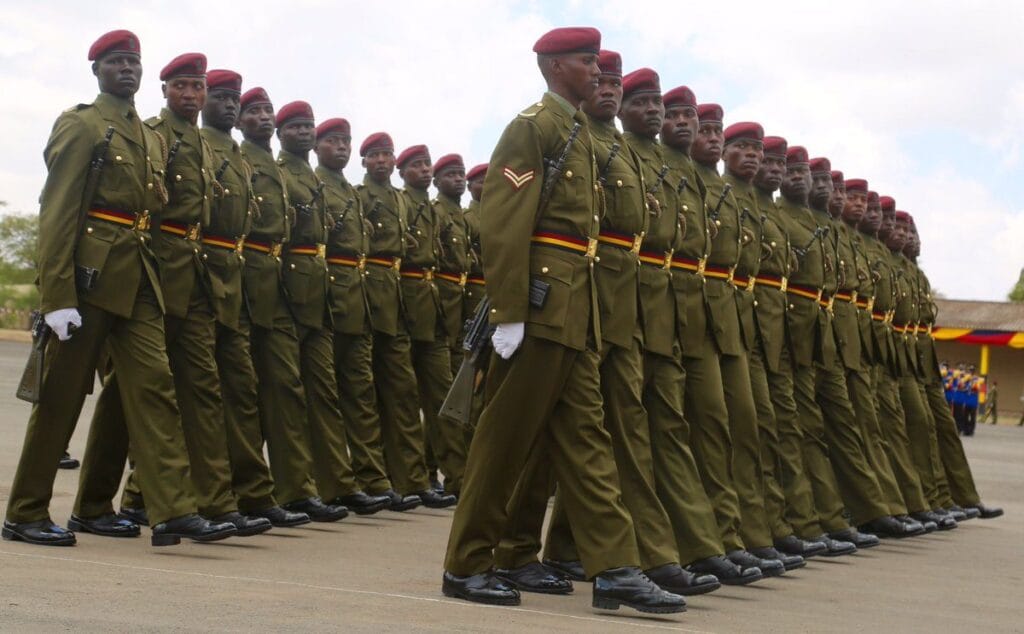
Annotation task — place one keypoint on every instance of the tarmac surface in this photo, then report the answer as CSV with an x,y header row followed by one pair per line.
x,y
383,572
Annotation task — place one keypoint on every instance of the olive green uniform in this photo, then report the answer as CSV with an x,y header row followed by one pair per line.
x,y
397,398
547,396
275,347
190,323
672,311
223,240
475,287
305,284
122,315
429,330
347,243
789,500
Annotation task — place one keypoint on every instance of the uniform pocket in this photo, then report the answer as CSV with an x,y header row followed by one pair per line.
x,y
558,274
94,246
296,283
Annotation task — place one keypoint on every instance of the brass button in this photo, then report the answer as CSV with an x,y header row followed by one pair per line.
x,y
292,266
177,177
259,199
597,259
202,170
195,250
543,269
718,223
205,256
494,311
755,303
618,183
773,243
686,208
118,158
791,306
379,225
149,185
568,173
142,239
145,212
88,230
332,278
418,232
226,191
205,197
455,240
596,218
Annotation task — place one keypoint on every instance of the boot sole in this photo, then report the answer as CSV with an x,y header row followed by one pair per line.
x,y
402,508
249,532
454,594
79,527
536,590
369,510
291,524
692,591
173,539
607,603
11,536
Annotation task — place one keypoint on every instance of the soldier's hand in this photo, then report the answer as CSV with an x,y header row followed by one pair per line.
x,y
507,338
63,322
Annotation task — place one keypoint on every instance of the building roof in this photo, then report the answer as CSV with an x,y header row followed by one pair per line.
x,y
962,313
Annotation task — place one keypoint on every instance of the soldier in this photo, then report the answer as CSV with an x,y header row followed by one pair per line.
x,y
397,400
305,283
839,353
544,386
891,415
275,347
961,495
424,314
99,289
223,241
347,243
719,400
475,287
670,305
789,502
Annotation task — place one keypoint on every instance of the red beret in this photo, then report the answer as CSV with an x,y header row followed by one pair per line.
x,y
680,96
775,146
447,161
294,110
610,63
119,41
710,113
857,185
641,80
337,125
224,80
796,155
819,165
252,97
903,216
744,130
837,180
888,203
188,64
413,152
377,141
873,197
478,171
569,40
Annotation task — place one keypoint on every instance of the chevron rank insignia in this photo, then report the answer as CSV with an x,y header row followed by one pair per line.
x,y
518,180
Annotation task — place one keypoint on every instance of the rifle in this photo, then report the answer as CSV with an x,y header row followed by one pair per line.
x,y
305,210
173,152
337,228
682,187
220,170
554,169
718,206
31,385
819,233
476,343
603,177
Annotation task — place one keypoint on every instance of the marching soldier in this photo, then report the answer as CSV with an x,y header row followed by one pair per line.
x,y
475,287
305,284
395,379
789,502
424,314
347,243
544,382
100,289
275,346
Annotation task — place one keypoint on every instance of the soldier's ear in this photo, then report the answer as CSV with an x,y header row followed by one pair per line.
x,y
96,68
163,89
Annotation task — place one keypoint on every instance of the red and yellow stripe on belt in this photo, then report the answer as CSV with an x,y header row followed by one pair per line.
x,y
719,272
123,218
417,273
475,279
583,246
653,258
846,296
689,264
628,242
386,261
273,249
807,292
774,281
189,232
318,250
344,260
455,278
224,242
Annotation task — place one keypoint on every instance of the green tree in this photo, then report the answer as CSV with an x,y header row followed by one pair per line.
x,y
1016,294
19,237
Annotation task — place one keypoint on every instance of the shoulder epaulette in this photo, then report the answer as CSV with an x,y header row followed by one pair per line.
x,y
77,107
531,111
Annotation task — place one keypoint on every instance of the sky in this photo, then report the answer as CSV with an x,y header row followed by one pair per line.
x,y
923,99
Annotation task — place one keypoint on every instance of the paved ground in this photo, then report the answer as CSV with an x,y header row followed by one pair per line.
x,y
383,573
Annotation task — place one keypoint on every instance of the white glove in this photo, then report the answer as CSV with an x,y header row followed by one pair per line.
x,y
507,338
61,320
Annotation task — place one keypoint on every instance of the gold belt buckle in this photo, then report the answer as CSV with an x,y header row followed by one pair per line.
x,y
831,302
732,274
361,263
239,245
819,296
321,250
142,221
871,304
929,329
701,265
591,248
666,264
462,279
889,314
638,240
751,282
853,297
275,249
783,284
428,275
397,265
193,232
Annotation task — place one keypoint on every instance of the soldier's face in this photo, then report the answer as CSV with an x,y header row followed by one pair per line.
x,y
118,74
221,109
606,100
679,127
257,122
334,150
797,183
451,182
185,96
897,238
417,173
578,72
743,158
855,206
298,135
380,165
837,201
886,225
770,174
707,146
643,114
872,218
476,187
913,246
821,189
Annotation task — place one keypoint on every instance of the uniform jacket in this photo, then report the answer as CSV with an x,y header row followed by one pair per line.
x,y
771,300
845,324
454,261
305,275
803,314
347,242
385,210
749,262
419,292
726,242
271,226
475,289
